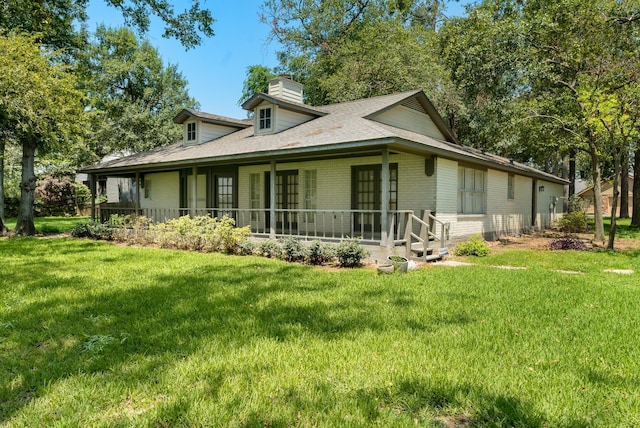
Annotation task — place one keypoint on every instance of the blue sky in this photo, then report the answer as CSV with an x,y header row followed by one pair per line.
x,y
217,68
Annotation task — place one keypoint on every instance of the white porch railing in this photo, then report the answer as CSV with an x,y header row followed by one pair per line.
x,y
404,227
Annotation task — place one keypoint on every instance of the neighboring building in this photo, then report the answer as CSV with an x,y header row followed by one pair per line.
x,y
382,169
118,190
607,197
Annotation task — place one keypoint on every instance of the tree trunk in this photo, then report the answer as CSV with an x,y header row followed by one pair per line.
x,y
614,203
24,224
597,190
3,229
635,214
572,173
624,187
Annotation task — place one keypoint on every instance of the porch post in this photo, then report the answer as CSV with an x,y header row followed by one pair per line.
x,y
272,201
384,218
194,190
138,187
92,188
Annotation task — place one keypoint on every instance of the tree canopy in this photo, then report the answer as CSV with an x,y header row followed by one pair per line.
x,y
55,21
40,108
132,96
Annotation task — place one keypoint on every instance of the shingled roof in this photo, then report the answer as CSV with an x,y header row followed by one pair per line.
x,y
337,128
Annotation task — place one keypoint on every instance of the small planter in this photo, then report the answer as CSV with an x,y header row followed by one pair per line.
x,y
399,263
385,269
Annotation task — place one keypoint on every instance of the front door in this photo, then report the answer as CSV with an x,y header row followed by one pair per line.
x,y
286,200
366,195
224,195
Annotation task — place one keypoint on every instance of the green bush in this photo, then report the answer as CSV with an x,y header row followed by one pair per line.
x,y
246,248
92,230
350,253
227,237
201,233
475,246
269,248
293,249
573,222
319,253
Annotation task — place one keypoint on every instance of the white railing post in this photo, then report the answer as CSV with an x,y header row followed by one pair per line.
x,y
384,217
408,230
272,201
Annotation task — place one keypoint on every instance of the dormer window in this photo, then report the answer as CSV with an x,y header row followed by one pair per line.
x,y
191,131
264,118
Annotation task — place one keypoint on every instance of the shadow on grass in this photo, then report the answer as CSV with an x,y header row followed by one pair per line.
x,y
169,313
418,401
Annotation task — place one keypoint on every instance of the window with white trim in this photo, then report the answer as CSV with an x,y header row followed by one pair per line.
x,y
471,191
254,195
511,187
310,192
264,118
191,131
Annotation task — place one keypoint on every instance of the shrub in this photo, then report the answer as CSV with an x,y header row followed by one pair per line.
x,y
350,253
57,196
269,248
292,249
319,253
227,237
92,230
573,222
201,233
567,242
474,246
246,248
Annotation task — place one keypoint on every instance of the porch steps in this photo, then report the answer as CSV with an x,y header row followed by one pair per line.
x,y
417,249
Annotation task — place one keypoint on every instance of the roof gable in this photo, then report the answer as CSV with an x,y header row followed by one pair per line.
x,y
215,119
418,102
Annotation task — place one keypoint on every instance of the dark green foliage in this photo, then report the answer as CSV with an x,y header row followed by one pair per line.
x,y
475,246
350,253
567,242
92,230
573,222
293,249
319,253
58,196
269,248
246,248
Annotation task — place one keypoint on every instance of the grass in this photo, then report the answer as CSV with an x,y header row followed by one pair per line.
x,y
623,228
94,334
50,225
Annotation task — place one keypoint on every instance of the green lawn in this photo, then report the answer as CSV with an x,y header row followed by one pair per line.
x,y
94,334
48,225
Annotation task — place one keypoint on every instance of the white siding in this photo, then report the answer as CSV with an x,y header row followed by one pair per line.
x,y
287,90
165,190
503,216
205,131
201,191
286,119
549,203
210,131
406,118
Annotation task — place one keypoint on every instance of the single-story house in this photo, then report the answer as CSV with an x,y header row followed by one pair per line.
x,y
607,196
385,169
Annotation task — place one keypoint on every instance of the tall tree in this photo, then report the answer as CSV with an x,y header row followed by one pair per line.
x,y
257,80
132,95
39,103
543,59
347,49
55,21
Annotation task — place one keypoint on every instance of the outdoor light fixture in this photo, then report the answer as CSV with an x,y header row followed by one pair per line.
x,y
541,189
